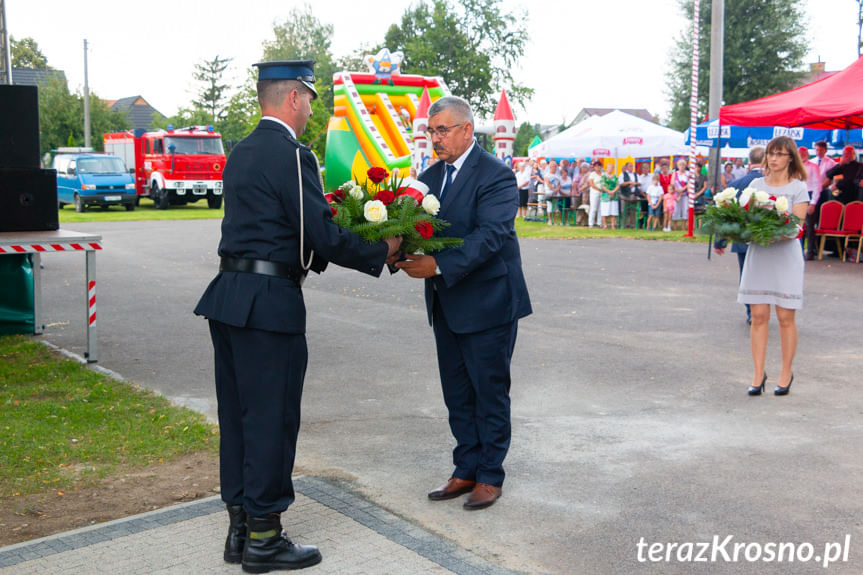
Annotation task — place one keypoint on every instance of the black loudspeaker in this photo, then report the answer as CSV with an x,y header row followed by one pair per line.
x,y
28,200
19,126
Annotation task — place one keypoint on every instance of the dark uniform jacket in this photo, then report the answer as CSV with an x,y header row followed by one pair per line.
x,y
481,283
262,221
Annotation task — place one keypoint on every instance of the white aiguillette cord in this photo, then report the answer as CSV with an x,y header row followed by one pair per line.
x,y
303,263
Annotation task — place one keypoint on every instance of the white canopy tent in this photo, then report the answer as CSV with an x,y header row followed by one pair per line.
x,y
614,135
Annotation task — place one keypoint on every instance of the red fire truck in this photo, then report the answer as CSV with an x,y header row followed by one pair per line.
x,y
173,166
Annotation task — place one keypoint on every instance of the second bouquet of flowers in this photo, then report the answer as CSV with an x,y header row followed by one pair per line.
x,y
750,216
385,206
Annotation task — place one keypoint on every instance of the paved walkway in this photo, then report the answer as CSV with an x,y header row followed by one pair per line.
x,y
355,536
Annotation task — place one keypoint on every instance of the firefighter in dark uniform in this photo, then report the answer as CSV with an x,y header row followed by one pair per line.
x,y
277,226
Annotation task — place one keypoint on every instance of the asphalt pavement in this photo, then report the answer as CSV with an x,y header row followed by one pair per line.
x,y
631,423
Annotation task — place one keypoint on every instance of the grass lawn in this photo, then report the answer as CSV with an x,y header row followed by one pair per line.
x,y
63,425
146,211
542,230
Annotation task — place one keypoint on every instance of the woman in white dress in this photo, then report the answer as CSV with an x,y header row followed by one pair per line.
x,y
773,274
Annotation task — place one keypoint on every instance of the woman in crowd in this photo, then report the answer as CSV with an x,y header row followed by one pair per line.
x,y
680,185
565,194
594,181
552,190
536,183
726,176
522,180
582,193
609,205
664,176
773,274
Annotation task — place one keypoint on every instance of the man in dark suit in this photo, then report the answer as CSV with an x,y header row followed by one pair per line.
x,y
277,226
475,295
756,159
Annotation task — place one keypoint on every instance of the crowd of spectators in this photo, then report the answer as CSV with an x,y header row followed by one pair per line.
x,y
600,197
550,190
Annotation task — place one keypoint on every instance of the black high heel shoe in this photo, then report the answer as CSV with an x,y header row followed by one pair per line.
x,y
758,390
784,390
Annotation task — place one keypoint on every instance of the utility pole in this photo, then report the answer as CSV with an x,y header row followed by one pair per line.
x,y
717,47
859,25
86,100
5,53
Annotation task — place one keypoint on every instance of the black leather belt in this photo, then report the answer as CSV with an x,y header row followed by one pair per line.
x,y
263,267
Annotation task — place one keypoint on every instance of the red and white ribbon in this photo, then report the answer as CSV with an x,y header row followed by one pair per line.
x,y
42,248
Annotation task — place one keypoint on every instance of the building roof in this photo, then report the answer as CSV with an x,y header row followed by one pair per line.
x,y
503,111
36,77
817,71
139,111
639,112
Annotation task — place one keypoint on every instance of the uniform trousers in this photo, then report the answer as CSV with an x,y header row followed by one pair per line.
x,y
474,371
259,385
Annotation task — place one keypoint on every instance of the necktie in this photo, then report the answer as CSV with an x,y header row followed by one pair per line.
x,y
447,181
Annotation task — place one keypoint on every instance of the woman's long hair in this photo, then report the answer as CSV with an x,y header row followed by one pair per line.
x,y
796,170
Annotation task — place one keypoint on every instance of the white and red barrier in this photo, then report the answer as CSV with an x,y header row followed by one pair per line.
x,y
43,248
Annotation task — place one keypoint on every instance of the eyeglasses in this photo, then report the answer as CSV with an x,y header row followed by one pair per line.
x,y
442,131
777,154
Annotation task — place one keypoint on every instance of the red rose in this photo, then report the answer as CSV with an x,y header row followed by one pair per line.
x,y
377,175
333,211
787,220
386,196
340,194
772,198
331,198
425,229
746,207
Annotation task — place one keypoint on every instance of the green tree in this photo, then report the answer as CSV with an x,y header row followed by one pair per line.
x,y
523,138
242,113
61,117
303,36
192,116
472,44
212,96
26,54
765,45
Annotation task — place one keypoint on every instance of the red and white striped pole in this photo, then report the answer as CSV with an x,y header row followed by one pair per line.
x,y
693,117
91,303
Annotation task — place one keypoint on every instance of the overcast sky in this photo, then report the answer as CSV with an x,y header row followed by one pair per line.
x,y
581,53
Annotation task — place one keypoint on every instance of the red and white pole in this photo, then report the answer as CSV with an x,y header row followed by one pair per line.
x,y
693,118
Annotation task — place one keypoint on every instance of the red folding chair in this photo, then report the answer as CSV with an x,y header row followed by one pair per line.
x,y
828,224
852,223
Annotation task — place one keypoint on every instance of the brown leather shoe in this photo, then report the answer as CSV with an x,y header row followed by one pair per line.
x,y
451,489
482,496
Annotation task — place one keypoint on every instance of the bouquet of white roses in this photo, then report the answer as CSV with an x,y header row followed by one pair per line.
x,y
750,216
384,207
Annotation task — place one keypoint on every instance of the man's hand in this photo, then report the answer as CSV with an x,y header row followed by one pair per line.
x,y
418,266
393,245
811,209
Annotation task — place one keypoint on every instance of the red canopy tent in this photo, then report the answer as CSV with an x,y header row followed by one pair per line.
x,y
830,103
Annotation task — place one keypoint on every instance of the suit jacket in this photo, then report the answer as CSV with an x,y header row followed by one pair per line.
x,y
262,221
481,284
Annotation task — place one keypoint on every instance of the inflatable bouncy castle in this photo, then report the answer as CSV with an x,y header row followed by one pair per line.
x,y
379,119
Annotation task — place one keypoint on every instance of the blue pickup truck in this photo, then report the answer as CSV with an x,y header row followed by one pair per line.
x,y
89,179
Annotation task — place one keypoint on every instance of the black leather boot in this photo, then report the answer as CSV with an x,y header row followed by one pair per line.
x,y
236,539
268,549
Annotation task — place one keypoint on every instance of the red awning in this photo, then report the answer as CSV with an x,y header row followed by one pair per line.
x,y
830,103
